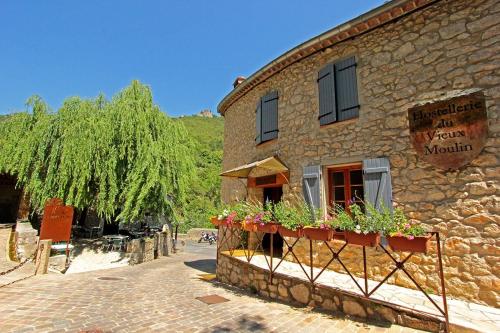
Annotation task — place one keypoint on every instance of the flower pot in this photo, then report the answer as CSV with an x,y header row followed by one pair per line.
x,y
371,239
234,225
402,243
339,234
268,228
215,221
285,232
318,234
249,226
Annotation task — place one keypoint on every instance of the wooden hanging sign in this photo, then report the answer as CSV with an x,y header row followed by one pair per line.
x,y
56,222
450,133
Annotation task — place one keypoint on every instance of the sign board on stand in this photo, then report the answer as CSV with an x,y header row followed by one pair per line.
x,y
56,222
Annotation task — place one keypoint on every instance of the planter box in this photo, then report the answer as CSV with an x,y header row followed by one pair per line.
x,y
250,227
268,228
215,221
417,244
284,232
339,234
234,225
318,234
371,239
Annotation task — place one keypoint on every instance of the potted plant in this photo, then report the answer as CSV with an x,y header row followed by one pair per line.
x,y
360,228
289,218
221,218
407,235
316,228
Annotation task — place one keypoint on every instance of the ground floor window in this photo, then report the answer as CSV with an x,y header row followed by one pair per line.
x,y
345,186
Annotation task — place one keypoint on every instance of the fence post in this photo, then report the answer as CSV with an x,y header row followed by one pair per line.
x,y
42,256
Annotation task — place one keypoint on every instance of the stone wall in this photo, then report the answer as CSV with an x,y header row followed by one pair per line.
x,y
290,289
147,249
26,240
449,45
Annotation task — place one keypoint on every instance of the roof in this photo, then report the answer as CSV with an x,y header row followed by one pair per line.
x,y
375,18
272,163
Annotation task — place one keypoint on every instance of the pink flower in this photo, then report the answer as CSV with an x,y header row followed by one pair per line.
x,y
399,234
322,226
407,226
411,237
262,224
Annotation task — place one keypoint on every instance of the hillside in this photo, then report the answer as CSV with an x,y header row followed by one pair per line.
x,y
204,198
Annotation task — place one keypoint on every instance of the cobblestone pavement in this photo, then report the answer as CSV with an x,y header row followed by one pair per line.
x,y
158,296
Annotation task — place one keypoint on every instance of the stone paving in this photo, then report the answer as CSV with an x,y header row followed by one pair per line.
x,y
158,296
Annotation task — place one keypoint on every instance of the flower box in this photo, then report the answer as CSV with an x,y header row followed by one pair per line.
x,y
371,239
215,221
249,226
321,234
269,228
338,234
234,225
285,232
404,244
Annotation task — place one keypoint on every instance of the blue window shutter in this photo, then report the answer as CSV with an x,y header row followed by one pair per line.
x,y
258,122
311,186
346,89
377,182
326,89
270,116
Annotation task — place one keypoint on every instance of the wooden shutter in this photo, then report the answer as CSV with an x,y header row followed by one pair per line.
x,y
258,122
326,89
270,116
311,186
346,89
377,182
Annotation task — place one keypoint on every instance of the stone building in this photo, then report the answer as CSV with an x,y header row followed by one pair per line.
x,y
337,106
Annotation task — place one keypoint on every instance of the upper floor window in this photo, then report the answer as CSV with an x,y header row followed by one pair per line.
x,y
267,118
338,91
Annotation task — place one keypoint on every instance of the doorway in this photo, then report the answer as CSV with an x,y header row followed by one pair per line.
x,y
10,197
273,195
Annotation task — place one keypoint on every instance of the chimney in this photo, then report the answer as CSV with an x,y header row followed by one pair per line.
x,y
238,80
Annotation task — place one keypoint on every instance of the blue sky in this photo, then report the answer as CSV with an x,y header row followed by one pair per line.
x,y
189,52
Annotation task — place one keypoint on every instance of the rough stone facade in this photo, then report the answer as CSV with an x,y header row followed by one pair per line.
x,y
289,289
449,45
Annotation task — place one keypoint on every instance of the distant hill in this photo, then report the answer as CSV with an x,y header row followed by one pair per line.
x,y
204,200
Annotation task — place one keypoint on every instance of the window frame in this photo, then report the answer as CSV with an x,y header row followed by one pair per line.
x,y
345,169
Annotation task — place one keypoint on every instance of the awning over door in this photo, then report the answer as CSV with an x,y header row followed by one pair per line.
x,y
272,164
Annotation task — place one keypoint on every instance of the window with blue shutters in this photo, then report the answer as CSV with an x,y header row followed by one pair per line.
x,y
338,92
267,118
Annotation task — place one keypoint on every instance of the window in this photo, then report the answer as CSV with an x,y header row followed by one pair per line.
x,y
338,92
267,118
345,186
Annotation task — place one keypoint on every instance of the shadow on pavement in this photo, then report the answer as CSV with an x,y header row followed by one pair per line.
x,y
204,265
241,324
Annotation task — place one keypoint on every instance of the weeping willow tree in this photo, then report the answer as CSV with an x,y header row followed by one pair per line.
x,y
121,158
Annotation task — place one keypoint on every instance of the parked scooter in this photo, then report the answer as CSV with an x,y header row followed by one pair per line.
x,y
210,238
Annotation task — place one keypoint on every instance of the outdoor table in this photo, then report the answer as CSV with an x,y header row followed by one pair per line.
x,y
113,239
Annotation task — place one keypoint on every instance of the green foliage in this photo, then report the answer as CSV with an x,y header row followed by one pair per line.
x,y
369,220
292,215
204,199
403,227
122,157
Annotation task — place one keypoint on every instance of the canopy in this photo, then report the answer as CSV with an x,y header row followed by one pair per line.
x,y
271,164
